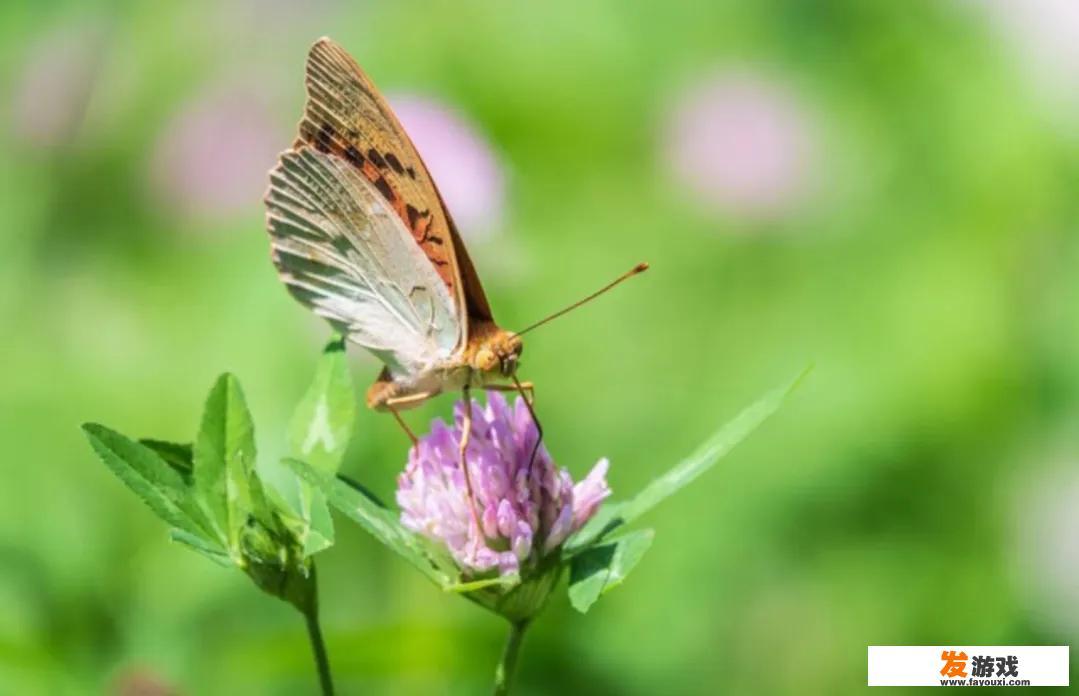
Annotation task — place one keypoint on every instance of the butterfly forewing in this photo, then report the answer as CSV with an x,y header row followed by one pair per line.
x,y
345,116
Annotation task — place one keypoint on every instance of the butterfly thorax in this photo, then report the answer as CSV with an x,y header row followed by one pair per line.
x,y
490,356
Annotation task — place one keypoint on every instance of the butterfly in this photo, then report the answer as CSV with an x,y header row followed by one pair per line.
x,y
361,236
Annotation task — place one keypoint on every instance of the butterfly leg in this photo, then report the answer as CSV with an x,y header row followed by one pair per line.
x,y
404,426
527,390
395,405
466,435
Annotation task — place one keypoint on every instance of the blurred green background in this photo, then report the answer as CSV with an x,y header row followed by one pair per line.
x,y
886,189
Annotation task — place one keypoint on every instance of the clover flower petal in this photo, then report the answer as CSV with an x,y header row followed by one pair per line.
x,y
520,508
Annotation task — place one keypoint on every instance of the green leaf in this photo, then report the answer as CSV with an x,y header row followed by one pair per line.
x,y
225,459
160,486
179,456
321,426
318,535
207,547
614,515
604,566
380,522
284,492
319,434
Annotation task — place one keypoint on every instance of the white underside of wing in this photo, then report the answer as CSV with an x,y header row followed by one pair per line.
x,y
342,251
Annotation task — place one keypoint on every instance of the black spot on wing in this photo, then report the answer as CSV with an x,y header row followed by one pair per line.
x,y
395,164
353,156
413,215
324,138
384,188
376,158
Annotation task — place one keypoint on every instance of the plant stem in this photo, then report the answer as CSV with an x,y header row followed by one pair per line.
x,y
314,634
505,669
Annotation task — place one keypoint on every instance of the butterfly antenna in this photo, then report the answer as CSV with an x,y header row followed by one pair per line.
x,y
639,268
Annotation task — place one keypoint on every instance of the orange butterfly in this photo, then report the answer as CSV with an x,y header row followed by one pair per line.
x,y
361,236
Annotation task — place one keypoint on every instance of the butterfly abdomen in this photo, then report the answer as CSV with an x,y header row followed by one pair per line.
x,y
382,391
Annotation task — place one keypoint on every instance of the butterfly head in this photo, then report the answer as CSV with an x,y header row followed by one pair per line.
x,y
499,354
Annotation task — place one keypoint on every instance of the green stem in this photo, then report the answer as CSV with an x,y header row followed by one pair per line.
x,y
506,667
314,634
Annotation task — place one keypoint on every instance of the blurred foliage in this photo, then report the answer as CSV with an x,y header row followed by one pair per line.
x,y
932,279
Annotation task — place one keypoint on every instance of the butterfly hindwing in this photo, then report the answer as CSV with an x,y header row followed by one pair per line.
x,y
343,251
